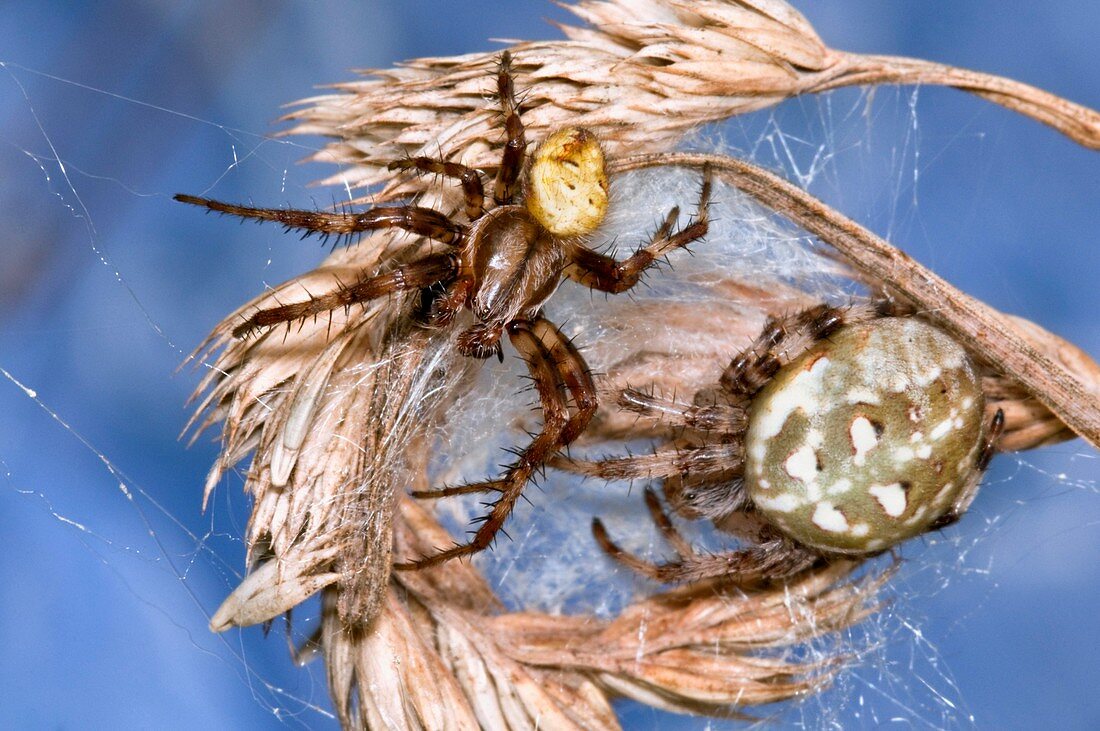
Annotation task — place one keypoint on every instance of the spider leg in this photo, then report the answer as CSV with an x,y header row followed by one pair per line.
x,y
699,481
414,219
663,463
468,177
605,273
422,273
774,559
714,417
665,525
785,339
515,149
471,489
992,436
554,363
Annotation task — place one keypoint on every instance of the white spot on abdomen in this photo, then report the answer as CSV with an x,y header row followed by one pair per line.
x,y
929,376
864,438
862,396
890,497
802,464
803,392
944,493
783,503
827,517
903,455
941,429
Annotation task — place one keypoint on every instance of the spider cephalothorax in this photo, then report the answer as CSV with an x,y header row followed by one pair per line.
x,y
838,432
501,264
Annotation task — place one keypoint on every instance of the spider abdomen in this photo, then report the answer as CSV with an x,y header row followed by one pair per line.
x,y
567,188
867,438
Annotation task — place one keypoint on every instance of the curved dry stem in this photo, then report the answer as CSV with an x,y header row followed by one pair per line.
x,y
1075,121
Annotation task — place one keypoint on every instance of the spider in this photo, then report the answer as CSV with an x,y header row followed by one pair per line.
x,y
838,432
502,263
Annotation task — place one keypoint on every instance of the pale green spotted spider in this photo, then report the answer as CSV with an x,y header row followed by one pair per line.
x,y
838,432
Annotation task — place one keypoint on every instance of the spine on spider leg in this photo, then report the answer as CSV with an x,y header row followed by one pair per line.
x,y
470,179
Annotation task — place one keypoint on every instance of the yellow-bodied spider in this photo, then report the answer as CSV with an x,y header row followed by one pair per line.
x,y
502,263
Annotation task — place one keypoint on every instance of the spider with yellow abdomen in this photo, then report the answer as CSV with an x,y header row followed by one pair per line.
x,y
503,263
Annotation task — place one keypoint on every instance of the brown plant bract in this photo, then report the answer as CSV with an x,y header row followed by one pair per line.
x,y
334,412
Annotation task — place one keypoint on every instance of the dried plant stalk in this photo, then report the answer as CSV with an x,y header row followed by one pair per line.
x,y
336,413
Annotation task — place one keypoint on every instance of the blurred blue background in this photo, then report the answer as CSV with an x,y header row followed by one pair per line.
x,y
109,570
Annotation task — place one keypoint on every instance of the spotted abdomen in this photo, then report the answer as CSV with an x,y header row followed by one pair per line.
x,y
866,439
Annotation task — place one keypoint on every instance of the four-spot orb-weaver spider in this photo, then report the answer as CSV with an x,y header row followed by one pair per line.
x,y
501,263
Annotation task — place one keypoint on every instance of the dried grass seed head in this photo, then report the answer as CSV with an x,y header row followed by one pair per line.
x,y
639,75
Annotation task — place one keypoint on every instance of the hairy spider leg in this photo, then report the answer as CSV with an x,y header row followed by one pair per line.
x,y
992,436
721,419
664,524
555,365
784,340
421,273
515,148
776,558
414,219
714,417
662,463
440,303
469,178
607,274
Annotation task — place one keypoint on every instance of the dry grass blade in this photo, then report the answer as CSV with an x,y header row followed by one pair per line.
x,y
505,693
1079,123
698,649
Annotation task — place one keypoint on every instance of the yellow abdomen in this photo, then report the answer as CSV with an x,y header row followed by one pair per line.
x,y
567,184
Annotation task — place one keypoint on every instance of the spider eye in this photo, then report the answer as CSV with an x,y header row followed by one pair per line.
x,y
567,183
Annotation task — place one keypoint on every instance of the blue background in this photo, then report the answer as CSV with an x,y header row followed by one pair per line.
x,y
105,285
